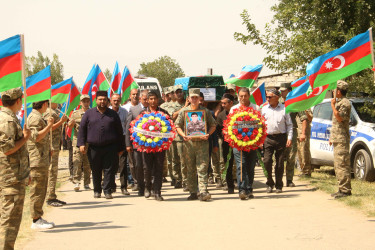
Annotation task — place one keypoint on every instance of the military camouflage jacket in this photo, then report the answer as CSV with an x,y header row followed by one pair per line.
x,y
340,130
38,151
300,117
56,134
14,167
165,105
172,108
77,117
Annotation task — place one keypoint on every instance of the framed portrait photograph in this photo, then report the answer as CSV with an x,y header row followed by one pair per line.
x,y
195,123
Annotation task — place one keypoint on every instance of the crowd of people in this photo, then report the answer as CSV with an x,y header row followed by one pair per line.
x,y
102,147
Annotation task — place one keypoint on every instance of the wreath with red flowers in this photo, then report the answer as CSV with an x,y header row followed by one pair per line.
x,y
152,132
245,129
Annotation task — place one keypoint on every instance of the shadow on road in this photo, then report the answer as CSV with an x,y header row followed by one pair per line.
x,y
95,206
82,226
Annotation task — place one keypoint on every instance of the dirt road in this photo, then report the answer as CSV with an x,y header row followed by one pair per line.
x,y
299,218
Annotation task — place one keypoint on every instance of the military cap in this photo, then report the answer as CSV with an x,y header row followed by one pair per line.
x,y
167,90
284,86
177,87
84,97
12,94
231,86
342,85
274,91
194,92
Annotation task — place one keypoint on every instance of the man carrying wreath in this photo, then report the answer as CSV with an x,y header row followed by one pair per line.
x,y
196,148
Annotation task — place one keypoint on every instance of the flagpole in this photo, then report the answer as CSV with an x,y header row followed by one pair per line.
x,y
50,130
24,77
372,51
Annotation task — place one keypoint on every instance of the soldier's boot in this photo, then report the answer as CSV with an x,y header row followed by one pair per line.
x,y
205,196
342,195
211,179
178,184
219,183
173,182
193,196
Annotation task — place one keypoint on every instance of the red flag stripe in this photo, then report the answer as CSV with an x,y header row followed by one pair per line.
x,y
86,88
244,75
39,87
99,79
62,90
116,82
305,96
10,64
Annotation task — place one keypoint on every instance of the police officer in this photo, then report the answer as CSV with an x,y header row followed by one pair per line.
x,y
56,140
196,148
340,138
80,161
14,167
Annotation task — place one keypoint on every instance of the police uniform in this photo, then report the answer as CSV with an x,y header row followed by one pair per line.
x,y
303,148
80,161
14,169
56,139
168,154
196,150
340,139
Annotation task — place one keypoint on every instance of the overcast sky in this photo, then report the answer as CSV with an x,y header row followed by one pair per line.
x,y
197,33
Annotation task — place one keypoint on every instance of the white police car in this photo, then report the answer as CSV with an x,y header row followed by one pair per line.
x,y
362,135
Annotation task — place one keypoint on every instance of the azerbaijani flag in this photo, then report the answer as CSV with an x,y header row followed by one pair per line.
x,y
116,79
99,82
22,113
299,82
73,100
60,91
258,96
127,83
38,86
352,57
247,77
1,102
304,97
87,85
11,62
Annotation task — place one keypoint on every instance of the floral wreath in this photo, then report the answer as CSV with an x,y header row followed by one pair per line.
x,y
245,129
152,132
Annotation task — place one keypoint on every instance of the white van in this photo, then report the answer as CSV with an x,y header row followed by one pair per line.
x,y
149,83
362,135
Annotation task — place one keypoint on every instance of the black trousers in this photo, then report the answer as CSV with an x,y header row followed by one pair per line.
x,y
138,169
153,167
275,144
103,159
123,170
229,176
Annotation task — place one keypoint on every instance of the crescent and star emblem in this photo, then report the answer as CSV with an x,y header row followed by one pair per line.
x,y
319,91
329,64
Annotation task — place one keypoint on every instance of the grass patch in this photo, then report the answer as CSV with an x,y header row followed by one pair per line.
x,y
363,193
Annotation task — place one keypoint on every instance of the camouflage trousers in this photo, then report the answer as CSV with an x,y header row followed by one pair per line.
x,y
168,162
290,157
176,163
11,214
304,156
218,161
196,158
52,175
38,190
342,166
182,156
81,163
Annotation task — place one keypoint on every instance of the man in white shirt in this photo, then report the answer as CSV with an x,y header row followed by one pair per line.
x,y
134,100
279,136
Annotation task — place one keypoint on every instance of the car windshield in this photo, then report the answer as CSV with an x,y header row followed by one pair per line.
x,y
360,107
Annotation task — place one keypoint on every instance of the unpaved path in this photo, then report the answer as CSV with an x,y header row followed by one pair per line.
x,y
299,218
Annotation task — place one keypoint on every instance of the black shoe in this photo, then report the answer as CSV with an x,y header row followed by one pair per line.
x,y
178,184
243,195
279,190
250,195
113,190
124,191
269,189
193,196
97,195
205,196
108,196
173,182
147,193
290,184
342,195
165,179
158,197
230,190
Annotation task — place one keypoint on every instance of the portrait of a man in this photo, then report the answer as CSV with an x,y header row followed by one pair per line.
x,y
195,123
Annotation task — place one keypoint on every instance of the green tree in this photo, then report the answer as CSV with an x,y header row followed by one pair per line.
x,y
34,64
108,74
165,69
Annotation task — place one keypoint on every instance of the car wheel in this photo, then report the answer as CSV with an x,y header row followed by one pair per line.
x,y
362,166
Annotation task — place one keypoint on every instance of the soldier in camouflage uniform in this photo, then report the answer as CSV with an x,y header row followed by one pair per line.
x,y
56,140
196,148
80,161
178,156
39,153
304,119
340,138
168,155
14,167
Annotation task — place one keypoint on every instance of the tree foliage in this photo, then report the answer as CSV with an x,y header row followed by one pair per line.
x,y
108,74
165,69
34,64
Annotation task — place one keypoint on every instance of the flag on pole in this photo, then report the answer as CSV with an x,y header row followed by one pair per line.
x,y
247,77
38,86
11,63
258,96
304,97
22,113
1,102
60,91
73,100
352,57
127,83
116,79
99,82
299,82
86,89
